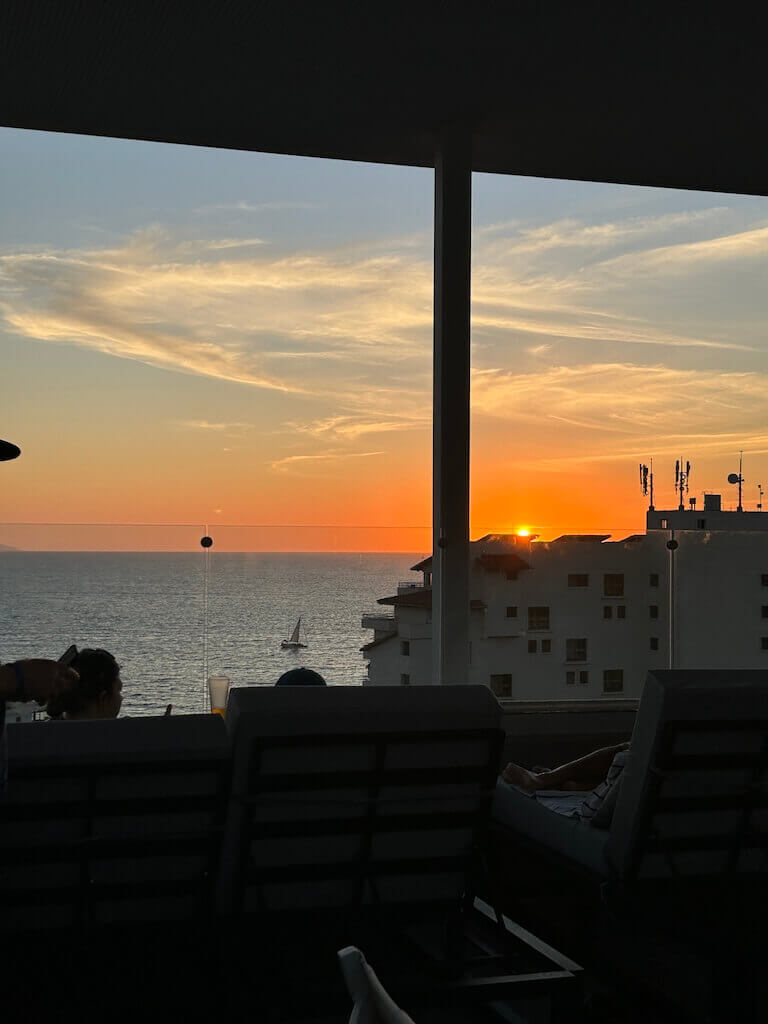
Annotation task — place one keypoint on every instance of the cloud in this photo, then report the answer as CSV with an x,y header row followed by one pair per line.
x,y
571,233
234,243
292,460
245,206
347,330
188,306
352,427
621,410
205,425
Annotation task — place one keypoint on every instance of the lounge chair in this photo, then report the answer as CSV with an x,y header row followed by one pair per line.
x,y
682,866
358,816
111,822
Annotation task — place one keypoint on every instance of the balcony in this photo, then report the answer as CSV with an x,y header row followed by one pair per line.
x,y
378,621
407,585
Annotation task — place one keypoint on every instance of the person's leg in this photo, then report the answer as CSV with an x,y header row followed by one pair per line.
x,y
584,773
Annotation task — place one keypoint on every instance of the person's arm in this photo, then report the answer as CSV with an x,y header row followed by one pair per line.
x,y
34,679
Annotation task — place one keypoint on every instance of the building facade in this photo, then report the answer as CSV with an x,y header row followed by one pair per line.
x,y
583,616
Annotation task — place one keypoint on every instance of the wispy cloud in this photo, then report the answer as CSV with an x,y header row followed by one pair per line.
x,y
235,243
220,427
622,411
294,460
348,328
247,206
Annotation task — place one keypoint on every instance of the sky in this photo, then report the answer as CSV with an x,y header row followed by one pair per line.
x,y
244,340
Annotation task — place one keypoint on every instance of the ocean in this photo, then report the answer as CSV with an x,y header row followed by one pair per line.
x,y
148,610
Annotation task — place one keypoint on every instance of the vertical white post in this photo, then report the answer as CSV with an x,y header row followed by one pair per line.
x,y
451,368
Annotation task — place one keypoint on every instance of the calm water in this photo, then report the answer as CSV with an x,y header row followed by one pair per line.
x,y
148,610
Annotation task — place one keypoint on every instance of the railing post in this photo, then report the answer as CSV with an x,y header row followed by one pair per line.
x,y
451,369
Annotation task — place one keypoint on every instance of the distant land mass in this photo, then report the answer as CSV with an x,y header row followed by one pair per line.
x,y
8,547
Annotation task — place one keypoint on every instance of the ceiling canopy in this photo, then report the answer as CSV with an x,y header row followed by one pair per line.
x,y
564,91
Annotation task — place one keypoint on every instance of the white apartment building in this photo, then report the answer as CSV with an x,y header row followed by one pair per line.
x,y
582,616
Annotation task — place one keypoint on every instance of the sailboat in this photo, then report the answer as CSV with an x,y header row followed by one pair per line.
x,y
293,644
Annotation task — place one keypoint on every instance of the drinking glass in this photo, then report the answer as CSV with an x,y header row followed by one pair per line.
x,y
218,688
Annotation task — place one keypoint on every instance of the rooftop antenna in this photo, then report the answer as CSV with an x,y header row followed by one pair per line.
x,y
682,476
737,478
646,478
760,503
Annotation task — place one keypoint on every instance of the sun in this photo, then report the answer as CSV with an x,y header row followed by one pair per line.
x,y
523,532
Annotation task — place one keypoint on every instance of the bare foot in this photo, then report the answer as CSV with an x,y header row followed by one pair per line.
x,y
521,777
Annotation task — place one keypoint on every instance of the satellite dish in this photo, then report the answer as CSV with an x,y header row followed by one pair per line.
x,y
733,478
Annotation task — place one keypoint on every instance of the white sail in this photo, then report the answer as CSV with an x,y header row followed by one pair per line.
x,y
295,633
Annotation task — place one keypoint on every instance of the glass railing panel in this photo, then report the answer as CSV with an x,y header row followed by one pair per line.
x,y
716,607
258,592
138,592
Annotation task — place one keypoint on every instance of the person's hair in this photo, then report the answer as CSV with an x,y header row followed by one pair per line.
x,y
98,671
301,677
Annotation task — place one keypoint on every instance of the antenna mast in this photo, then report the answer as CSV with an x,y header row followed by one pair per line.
x,y
682,476
738,478
644,478
760,503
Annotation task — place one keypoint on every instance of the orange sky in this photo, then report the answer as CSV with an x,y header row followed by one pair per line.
x,y
198,337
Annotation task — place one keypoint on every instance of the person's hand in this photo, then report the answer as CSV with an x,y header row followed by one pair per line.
x,y
42,679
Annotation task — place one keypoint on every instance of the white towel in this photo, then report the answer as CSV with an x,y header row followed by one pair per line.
x,y
373,1005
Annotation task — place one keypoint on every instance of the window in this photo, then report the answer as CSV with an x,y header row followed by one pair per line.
x,y
538,618
511,611
701,524
501,685
654,611
621,611
512,575
546,646
405,679
405,647
583,677
576,650
764,643
653,579
654,643
764,579
613,584
570,678
532,646
613,680
578,579
665,524
607,611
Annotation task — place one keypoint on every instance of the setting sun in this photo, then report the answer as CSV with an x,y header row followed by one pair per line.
x,y
523,532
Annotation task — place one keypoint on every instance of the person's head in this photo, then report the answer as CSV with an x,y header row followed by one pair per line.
x,y
98,694
301,677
